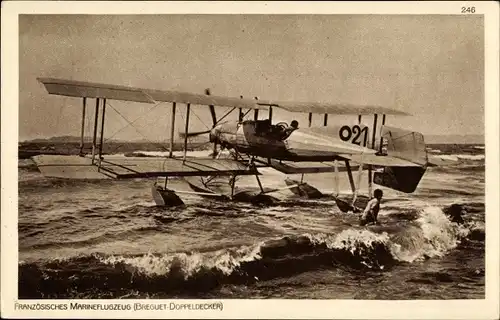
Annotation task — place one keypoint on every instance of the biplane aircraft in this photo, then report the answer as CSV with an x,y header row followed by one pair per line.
x,y
395,159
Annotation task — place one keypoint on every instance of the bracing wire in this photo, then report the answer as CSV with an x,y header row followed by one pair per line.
x,y
59,115
192,111
130,124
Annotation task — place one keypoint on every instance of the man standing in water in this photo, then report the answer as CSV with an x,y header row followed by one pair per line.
x,y
371,211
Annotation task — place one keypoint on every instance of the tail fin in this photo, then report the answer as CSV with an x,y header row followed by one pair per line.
x,y
404,144
407,145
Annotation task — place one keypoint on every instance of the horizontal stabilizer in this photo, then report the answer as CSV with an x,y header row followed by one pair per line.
x,y
379,161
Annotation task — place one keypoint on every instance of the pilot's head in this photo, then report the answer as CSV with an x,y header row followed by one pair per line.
x,y
294,124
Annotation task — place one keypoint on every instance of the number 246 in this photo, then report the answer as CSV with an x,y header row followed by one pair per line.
x,y
468,9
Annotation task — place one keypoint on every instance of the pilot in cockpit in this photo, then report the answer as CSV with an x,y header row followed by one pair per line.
x,y
284,131
294,125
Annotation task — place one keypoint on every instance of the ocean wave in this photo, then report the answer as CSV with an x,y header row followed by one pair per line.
x,y
430,150
433,236
430,235
457,157
88,240
461,168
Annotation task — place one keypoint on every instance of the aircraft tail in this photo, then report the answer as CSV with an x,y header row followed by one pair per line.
x,y
407,145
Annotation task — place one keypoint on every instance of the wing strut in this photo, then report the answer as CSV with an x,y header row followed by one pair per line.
x,y
370,184
186,130
381,138
83,126
310,119
102,130
256,111
212,113
240,115
325,120
94,137
172,130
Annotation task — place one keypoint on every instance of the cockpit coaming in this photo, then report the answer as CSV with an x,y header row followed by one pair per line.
x,y
278,132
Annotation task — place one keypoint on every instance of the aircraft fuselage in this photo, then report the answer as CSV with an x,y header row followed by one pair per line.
x,y
260,138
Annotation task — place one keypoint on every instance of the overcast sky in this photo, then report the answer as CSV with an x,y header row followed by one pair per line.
x,y
430,66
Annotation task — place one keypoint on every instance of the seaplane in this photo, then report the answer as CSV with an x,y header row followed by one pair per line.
x,y
395,158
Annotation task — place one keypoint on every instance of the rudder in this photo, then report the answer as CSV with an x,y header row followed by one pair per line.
x,y
406,145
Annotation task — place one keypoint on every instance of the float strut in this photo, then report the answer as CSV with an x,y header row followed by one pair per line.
x,y
260,184
233,182
349,173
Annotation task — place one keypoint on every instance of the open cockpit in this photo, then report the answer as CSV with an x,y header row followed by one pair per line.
x,y
279,131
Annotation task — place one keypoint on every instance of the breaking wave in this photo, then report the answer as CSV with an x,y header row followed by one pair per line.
x,y
457,157
356,248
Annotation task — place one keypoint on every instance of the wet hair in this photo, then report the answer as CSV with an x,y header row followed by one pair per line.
x,y
294,124
378,193
455,213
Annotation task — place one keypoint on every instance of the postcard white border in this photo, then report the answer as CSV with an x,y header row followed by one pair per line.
x,y
356,309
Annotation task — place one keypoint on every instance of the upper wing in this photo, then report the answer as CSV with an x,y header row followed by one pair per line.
x,y
331,108
99,90
73,88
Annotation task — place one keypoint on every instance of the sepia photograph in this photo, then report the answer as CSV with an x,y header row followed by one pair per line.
x,y
251,156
